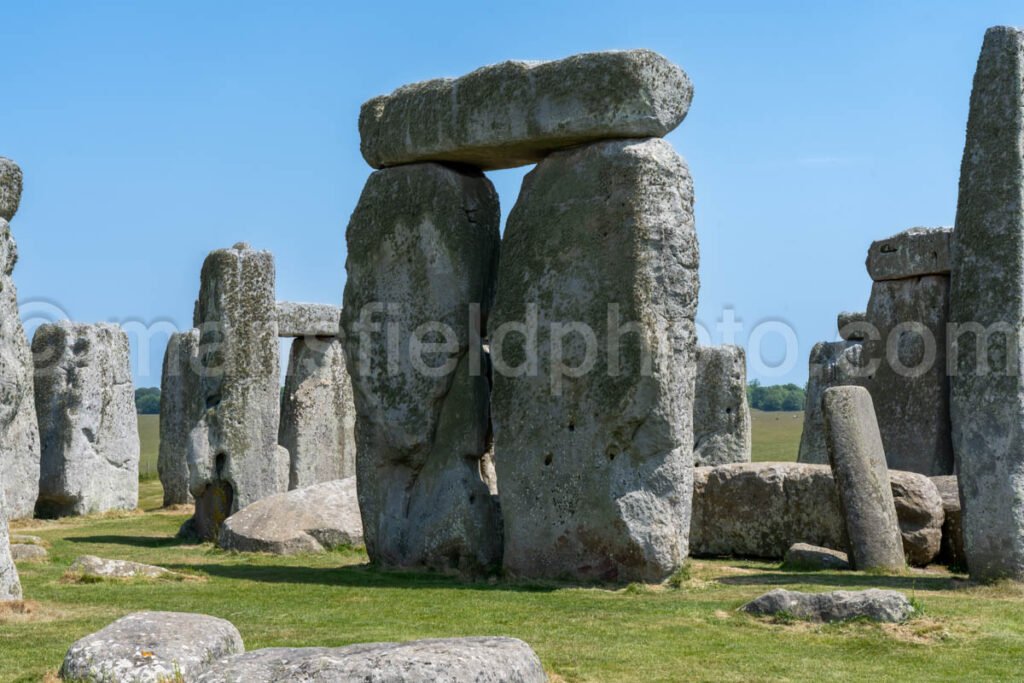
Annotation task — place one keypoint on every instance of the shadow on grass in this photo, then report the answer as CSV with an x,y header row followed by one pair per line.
x,y
136,541
847,581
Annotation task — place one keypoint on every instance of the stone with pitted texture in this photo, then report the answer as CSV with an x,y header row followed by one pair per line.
x,y
92,567
10,584
872,604
517,113
307,320
27,552
152,647
178,388
85,403
831,364
909,254
721,415
10,188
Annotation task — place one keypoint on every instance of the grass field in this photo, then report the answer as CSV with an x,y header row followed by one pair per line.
x,y
775,436
149,440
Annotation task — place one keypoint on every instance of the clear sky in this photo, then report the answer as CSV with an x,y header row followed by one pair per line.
x,y
151,133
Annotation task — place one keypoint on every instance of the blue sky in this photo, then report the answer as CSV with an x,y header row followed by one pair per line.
x,y
151,133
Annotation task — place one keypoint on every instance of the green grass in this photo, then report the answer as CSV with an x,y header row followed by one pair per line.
x,y
149,440
775,436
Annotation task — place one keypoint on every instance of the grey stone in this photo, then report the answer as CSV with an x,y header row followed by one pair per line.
x,y
233,455
307,320
308,520
802,556
423,241
761,509
19,428
27,539
987,306
721,415
595,466
10,188
516,113
10,584
179,386
449,660
151,647
910,254
85,402
852,325
872,604
952,552
831,364
858,465
318,416
25,552
919,509
92,567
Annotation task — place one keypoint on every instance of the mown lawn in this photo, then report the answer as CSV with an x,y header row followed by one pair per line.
x,y
775,436
149,441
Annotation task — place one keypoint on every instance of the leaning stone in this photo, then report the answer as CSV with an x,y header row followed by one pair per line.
x,y
909,254
852,326
309,520
178,388
85,402
721,415
422,249
858,465
150,647
448,660
233,456
10,188
986,401
317,413
19,428
22,552
831,364
802,556
307,320
517,113
919,511
952,553
92,567
872,604
595,462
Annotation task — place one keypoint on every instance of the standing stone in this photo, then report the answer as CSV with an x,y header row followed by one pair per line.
x,y
178,389
858,462
721,415
987,306
233,455
10,188
593,407
10,586
422,250
831,364
317,415
88,426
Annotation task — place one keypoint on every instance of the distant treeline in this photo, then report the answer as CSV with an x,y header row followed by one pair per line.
x,y
147,401
777,397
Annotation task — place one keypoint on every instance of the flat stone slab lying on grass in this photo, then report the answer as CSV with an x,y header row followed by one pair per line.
x,y
873,604
450,660
309,520
27,552
90,566
148,647
27,539
813,557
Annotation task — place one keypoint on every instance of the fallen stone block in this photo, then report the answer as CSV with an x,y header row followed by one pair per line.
x,y
92,567
872,604
802,556
25,552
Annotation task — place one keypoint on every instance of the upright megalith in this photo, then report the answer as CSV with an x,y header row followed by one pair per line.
x,y
858,464
19,430
831,364
10,585
594,351
233,455
317,414
986,309
721,415
88,428
422,250
179,385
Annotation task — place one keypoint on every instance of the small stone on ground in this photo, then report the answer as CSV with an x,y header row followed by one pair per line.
x,y
873,604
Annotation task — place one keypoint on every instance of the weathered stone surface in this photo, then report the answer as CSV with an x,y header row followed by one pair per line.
x,y
873,604
307,320
27,539
151,647
721,415
449,660
919,510
952,552
233,456
803,556
318,416
19,428
85,402
26,552
423,243
10,585
179,385
831,364
308,520
987,305
10,188
761,509
910,254
516,113
852,325
595,462
858,465
90,566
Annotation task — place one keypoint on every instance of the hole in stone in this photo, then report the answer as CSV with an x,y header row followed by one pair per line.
x,y
212,402
572,426
548,458
472,498
219,464
728,411
611,454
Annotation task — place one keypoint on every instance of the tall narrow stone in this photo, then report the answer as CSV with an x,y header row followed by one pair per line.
x,y
179,386
987,306
721,415
88,427
233,455
317,415
831,364
10,585
593,405
422,249
862,478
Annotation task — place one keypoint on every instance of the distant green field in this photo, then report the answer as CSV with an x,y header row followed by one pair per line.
x,y
775,436
149,440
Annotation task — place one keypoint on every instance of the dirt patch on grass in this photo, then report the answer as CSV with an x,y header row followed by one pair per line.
x,y
30,612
